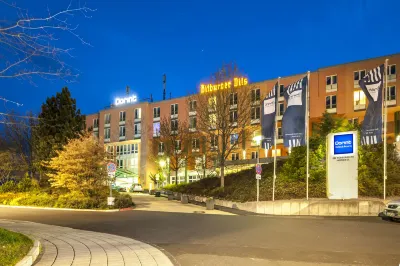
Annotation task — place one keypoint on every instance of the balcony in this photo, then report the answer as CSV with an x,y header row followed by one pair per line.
x,y
331,110
359,107
192,129
233,106
156,119
107,124
279,140
173,116
281,99
192,113
137,136
196,150
96,129
356,85
234,124
255,103
122,122
137,119
106,140
161,153
391,102
279,117
122,138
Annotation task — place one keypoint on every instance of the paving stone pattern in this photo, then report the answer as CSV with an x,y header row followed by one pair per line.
x,y
66,246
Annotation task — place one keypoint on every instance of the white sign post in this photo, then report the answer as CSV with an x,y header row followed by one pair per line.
x,y
342,165
111,168
258,177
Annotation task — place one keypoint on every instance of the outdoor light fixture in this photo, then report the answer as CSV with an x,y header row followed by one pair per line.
x,y
257,139
398,138
162,163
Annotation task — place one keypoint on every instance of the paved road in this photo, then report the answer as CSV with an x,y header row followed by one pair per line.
x,y
212,239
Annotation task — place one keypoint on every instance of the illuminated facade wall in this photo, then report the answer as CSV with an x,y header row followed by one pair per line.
x,y
334,89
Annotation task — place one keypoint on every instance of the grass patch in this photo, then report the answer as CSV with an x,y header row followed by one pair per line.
x,y
13,247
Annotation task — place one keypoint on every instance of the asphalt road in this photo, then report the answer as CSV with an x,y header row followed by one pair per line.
x,y
217,239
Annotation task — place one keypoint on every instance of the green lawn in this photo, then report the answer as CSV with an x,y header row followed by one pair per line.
x,y
13,247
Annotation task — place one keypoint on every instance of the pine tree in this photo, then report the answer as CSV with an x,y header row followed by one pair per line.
x,y
59,121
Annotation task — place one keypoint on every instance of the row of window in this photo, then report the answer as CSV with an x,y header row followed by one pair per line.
x,y
123,149
360,98
122,131
358,75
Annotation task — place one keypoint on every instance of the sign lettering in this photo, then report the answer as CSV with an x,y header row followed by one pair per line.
x,y
237,82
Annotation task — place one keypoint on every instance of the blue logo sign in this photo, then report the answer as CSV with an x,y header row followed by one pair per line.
x,y
343,144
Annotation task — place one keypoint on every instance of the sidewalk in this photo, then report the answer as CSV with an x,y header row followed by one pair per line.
x,y
161,204
67,246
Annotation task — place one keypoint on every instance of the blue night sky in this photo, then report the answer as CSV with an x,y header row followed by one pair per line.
x,y
135,42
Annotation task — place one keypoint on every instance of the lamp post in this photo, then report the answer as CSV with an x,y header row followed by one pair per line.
x,y
257,139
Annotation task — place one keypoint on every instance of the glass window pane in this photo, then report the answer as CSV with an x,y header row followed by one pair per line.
x,y
334,101
362,98
328,80
334,79
362,74
356,75
393,69
328,102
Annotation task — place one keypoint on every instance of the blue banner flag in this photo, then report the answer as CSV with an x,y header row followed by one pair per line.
x,y
372,85
268,112
293,121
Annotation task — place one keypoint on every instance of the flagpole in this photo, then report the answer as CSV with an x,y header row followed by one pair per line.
x,y
275,133
307,131
385,132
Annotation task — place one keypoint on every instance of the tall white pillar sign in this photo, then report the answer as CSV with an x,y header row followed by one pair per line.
x,y
342,165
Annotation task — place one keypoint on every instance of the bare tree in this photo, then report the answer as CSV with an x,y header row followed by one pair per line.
x,y
29,46
173,143
224,114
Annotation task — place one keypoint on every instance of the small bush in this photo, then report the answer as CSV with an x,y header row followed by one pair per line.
x,y
75,200
30,199
9,186
123,201
27,184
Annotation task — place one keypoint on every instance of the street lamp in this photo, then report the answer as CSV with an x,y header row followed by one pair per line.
x,y
257,139
398,138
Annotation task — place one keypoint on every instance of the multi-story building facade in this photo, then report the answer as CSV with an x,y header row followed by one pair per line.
x,y
127,130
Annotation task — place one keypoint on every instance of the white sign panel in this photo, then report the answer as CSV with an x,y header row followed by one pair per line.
x,y
342,165
110,201
120,101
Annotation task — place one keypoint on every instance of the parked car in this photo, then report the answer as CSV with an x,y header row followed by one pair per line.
x,y
392,210
136,188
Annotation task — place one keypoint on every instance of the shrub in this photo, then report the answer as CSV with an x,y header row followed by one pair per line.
x,y
30,199
27,184
9,186
75,200
123,201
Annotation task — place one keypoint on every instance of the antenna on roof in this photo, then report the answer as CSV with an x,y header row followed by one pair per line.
x,y
170,95
127,90
164,85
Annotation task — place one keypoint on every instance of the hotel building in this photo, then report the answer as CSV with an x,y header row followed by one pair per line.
x,y
126,129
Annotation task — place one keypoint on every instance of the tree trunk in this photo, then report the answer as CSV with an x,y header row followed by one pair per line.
x,y
222,174
176,177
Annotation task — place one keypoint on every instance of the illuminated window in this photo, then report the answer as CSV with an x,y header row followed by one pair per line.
x,y
254,154
137,129
255,112
138,113
391,93
193,178
280,134
359,98
95,123
330,102
233,98
96,134
156,129
107,133
256,135
120,163
135,148
174,109
156,112
359,74
177,145
213,120
122,116
160,147
214,141
233,116
234,139
212,102
192,122
107,118
278,152
192,105
195,144
174,125
331,80
122,131
255,95
235,156
281,109
127,149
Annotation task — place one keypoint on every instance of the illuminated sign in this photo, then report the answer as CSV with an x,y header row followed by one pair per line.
x,y
343,144
237,82
120,101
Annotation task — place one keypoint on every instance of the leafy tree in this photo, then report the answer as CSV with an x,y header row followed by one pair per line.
x,y
80,166
59,121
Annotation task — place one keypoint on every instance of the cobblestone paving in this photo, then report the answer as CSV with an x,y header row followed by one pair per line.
x,y
66,246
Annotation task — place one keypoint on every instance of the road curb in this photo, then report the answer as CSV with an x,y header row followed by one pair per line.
x,y
32,255
57,209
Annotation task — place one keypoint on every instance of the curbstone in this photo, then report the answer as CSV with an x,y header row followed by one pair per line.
x,y
32,255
